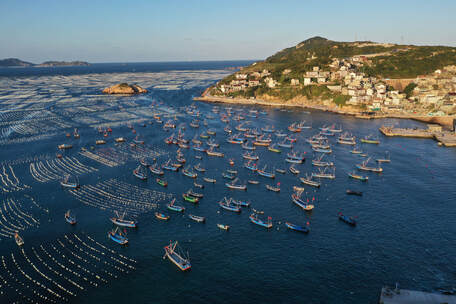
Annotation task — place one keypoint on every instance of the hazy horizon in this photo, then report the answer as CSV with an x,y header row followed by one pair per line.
x,y
170,31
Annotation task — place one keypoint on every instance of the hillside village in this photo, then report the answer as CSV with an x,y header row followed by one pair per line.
x,y
433,94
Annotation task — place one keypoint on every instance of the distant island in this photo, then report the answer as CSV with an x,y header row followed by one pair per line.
x,y
362,78
14,62
124,88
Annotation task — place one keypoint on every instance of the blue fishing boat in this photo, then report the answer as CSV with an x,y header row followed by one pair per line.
x,y
349,220
175,255
156,170
169,166
233,185
250,156
228,176
161,216
173,207
251,166
189,173
117,236
254,219
69,182
296,198
266,173
228,205
120,221
297,227
140,173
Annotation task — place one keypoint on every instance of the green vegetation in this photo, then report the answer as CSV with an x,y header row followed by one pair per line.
x,y
340,99
409,89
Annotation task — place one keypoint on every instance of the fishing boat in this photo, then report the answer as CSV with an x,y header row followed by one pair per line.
x,y
223,227
246,146
201,186
250,156
161,182
209,180
65,146
196,218
117,236
347,137
251,166
138,141
100,142
211,152
211,131
349,220
272,188
268,129
358,177
386,159
173,207
296,198
188,173
175,255
17,238
228,176
240,203
69,182
233,185
293,161
363,166
294,128
295,156
254,219
353,192
190,198
265,173
231,171
199,168
356,150
212,143
285,144
369,140
282,171
169,166
334,130
155,169
253,182
161,216
322,150
119,139
227,129
195,194
120,221
228,205
324,174
273,148
308,181
320,163
236,141
297,227
69,218
140,173
294,170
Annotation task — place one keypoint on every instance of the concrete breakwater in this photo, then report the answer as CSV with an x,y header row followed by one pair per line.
x,y
445,138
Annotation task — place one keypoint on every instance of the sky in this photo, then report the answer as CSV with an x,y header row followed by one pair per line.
x,y
197,30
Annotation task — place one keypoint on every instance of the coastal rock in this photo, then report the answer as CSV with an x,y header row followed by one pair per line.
x,y
124,88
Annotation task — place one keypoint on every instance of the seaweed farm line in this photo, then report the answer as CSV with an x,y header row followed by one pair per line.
x,y
253,204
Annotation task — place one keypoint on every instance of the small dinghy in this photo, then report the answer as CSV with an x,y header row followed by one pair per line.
x,y
353,192
69,218
173,207
223,227
117,236
17,238
349,220
161,216
196,218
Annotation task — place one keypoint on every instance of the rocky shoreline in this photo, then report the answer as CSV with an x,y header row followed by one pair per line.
x,y
445,121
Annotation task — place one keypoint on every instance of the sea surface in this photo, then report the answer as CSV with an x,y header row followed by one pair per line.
x,y
405,232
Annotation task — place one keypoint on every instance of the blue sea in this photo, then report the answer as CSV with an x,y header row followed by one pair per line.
x,y
405,228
